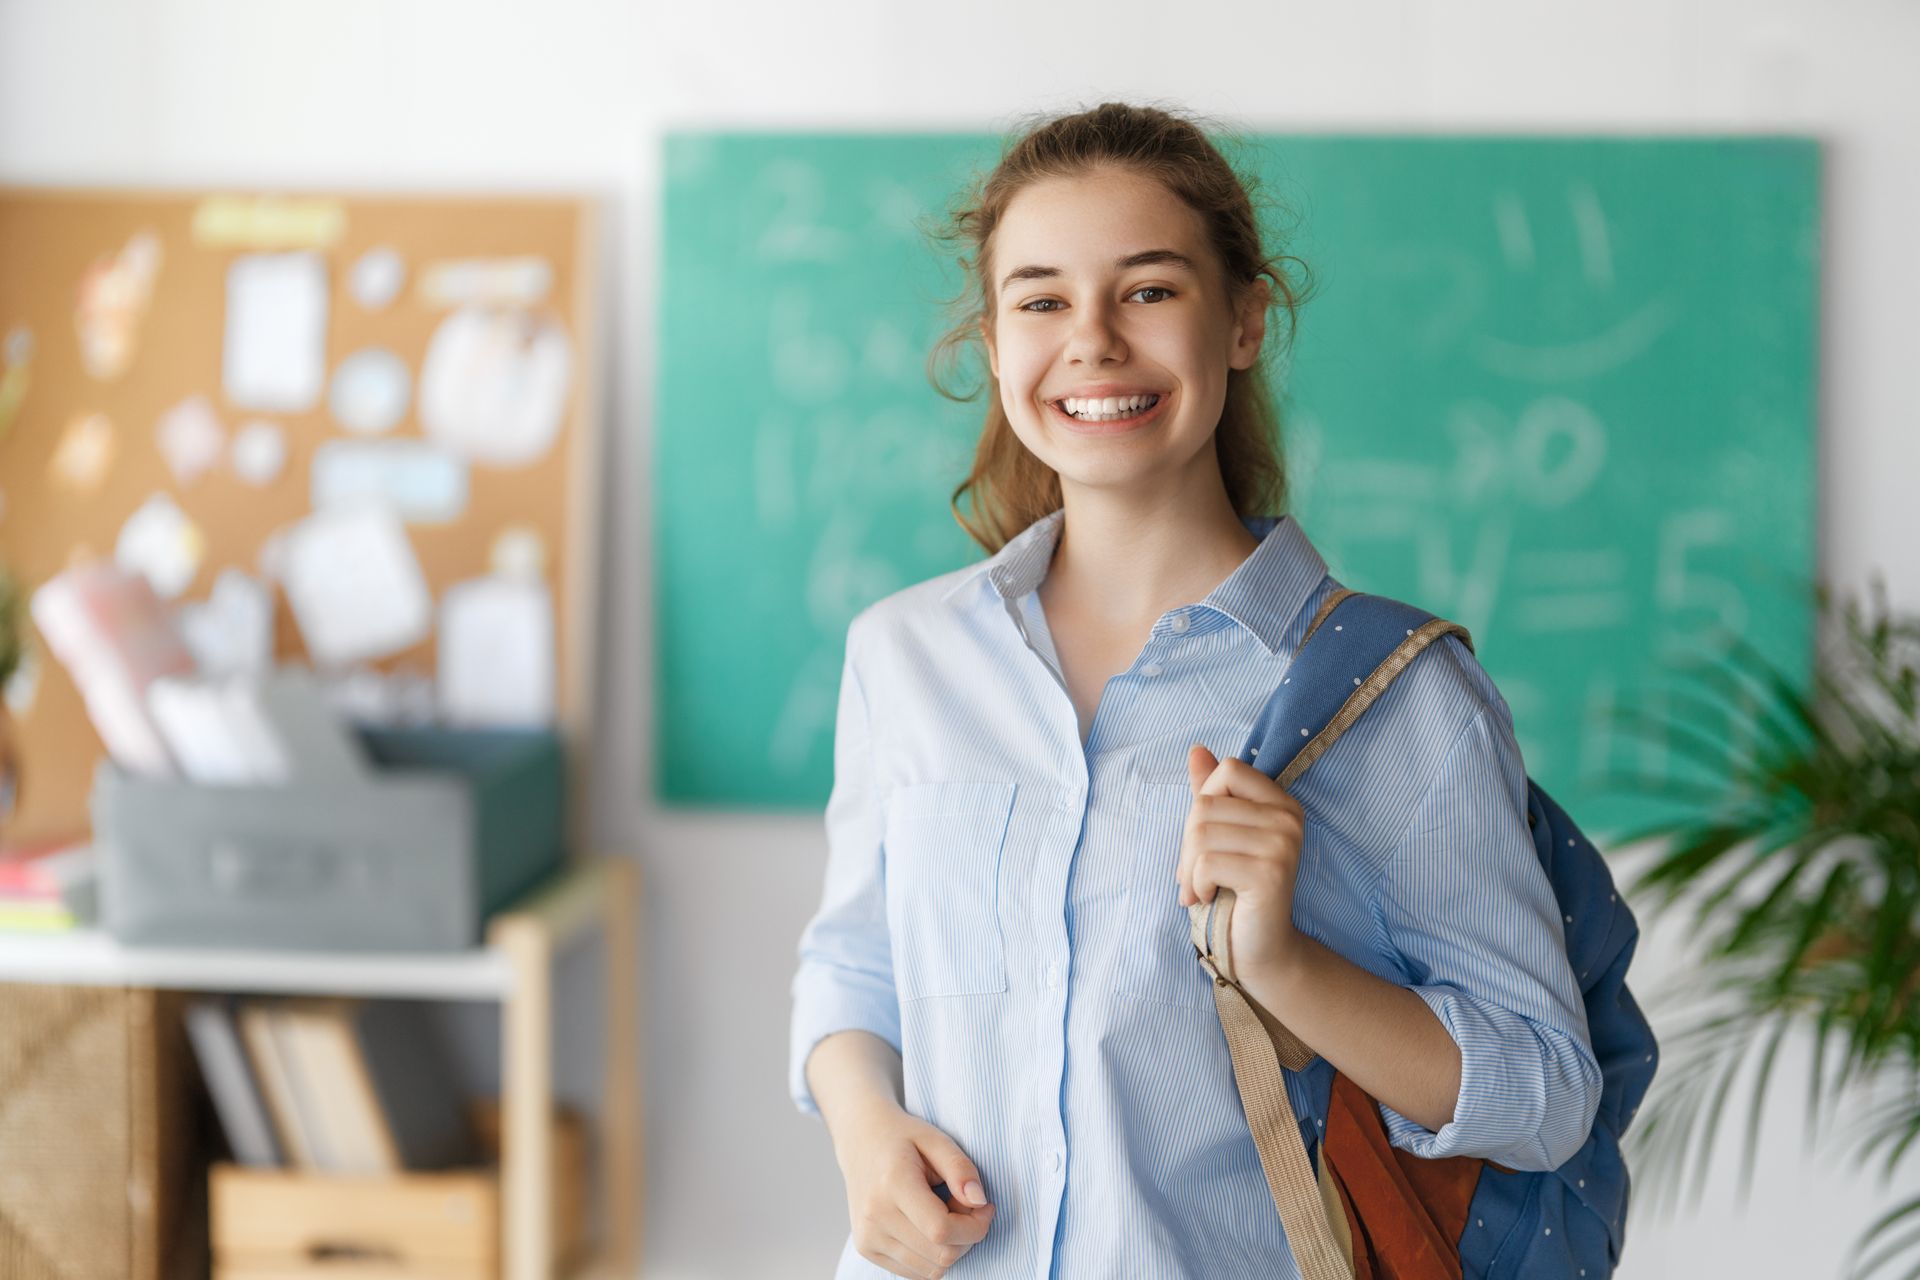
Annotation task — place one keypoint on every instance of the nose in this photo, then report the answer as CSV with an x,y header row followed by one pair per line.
x,y
1095,338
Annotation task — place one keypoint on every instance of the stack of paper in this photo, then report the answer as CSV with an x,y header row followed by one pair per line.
x,y
115,638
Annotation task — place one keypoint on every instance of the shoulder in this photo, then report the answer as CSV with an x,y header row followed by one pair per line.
x,y
1442,691
925,612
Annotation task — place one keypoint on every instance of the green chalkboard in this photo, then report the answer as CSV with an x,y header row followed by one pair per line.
x,y
1560,391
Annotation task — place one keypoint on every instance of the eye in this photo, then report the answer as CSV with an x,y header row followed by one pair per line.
x,y
1036,309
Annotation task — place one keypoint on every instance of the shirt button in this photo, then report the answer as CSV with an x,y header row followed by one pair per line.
x,y
1053,975
1054,1161
1151,669
1180,623
1069,799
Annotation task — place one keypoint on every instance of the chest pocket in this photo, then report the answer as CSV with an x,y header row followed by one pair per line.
x,y
1156,957
943,846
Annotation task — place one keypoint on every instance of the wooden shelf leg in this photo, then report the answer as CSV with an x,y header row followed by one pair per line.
x,y
526,1085
621,1193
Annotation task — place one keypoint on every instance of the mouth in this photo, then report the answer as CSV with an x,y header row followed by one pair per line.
x,y
1104,417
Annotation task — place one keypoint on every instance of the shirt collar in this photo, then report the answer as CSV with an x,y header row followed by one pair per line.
x,y
1263,595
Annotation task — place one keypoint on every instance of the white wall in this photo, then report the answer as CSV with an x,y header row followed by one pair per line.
x,y
573,93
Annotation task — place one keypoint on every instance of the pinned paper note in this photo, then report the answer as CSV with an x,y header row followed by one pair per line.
x,y
424,484
259,453
114,294
276,336
268,222
496,652
191,438
84,453
16,357
518,552
370,391
162,543
486,282
494,385
355,586
231,631
376,277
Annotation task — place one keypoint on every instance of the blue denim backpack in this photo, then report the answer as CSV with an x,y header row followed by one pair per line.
x,y
1568,1222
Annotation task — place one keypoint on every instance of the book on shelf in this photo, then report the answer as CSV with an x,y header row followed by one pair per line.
x,y
346,1085
263,1051
47,885
241,1106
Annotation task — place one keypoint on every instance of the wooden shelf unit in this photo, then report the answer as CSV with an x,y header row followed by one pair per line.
x,y
515,968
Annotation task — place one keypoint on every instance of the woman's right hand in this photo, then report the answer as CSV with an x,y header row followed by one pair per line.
x,y
892,1161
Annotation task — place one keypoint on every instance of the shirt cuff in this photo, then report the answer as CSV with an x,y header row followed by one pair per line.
x,y
829,1000
1522,1103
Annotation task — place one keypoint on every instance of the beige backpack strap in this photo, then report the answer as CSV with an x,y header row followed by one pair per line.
x,y
1260,1044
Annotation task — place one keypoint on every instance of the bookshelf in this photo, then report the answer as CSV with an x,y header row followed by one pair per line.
x,y
514,967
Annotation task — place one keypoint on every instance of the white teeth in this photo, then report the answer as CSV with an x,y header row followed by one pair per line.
x,y
1109,408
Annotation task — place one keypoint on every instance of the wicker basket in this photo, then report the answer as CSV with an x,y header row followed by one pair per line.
x,y
100,1140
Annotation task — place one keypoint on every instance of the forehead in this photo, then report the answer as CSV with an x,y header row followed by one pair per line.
x,y
1087,220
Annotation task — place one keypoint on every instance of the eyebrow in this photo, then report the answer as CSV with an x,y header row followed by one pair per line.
x,y
1145,258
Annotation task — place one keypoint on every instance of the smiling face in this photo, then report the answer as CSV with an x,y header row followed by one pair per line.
x,y
1113,330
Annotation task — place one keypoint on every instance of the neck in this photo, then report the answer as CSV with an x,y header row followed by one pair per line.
x,y
1126,558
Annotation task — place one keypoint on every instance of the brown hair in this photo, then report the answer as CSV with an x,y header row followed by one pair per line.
x,y
1008,486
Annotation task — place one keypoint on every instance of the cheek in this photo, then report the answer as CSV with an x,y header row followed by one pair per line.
x,y
1020,373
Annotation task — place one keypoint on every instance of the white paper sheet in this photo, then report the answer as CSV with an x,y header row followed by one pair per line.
x,y
493,282
494,385
376,278
231,631
276,336
496,653
191,439
162,542
259,453
355,586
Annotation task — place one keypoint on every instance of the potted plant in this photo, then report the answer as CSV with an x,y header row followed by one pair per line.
x,y
1801,863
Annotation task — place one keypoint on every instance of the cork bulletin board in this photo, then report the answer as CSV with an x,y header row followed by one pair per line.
x,y
190,380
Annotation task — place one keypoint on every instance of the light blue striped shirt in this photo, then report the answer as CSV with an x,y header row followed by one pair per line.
x,y
1000,906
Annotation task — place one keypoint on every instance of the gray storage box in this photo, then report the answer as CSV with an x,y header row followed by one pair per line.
x,y
452,826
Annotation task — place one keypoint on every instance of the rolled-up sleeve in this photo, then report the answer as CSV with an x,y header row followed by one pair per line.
x,y
845,978
1466,910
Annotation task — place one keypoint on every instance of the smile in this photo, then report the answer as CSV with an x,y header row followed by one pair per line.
x,y
1109,416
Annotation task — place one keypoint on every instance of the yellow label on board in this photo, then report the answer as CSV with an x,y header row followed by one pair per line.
x,y
268,222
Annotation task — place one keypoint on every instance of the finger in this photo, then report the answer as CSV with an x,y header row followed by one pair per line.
x,y
1272,837
1236,777
929,1216
1236,871
1244,812
902,1261
911,1245
951,1165
1200,763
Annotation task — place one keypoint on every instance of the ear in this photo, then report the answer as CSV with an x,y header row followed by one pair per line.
x,y
993,352
1250,325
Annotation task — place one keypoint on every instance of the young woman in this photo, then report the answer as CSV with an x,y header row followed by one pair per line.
x,y
997,999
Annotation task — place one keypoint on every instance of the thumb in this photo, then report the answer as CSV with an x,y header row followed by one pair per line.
x,y
962,1179
1200,766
